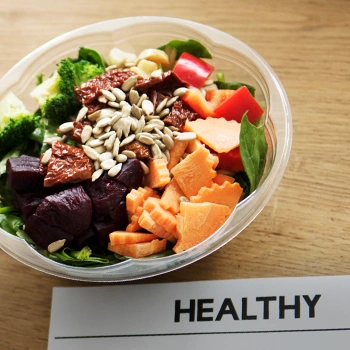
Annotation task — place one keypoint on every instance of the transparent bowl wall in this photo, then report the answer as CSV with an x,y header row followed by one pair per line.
x,y
234,58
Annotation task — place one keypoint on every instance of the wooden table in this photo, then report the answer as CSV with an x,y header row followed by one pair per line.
x,y
304,230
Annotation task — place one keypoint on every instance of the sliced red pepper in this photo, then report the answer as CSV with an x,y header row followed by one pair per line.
x,y
216,97
231,161
192,70
195,99
234,107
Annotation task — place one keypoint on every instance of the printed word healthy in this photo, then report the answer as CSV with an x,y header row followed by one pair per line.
x,y
202,309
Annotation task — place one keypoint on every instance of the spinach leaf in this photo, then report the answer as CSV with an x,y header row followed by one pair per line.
x,y
193,47
231,85
11,223
253,150
92,56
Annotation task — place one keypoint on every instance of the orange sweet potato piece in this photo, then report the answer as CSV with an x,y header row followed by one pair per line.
x,y
195,171
135,198
146,222
170,197
139,250
158,175
197,222
193,145
133,225
160,215
219,134
221,178
225,194
176,153
124,237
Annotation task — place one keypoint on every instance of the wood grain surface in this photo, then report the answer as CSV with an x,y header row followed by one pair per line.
x,y
305,228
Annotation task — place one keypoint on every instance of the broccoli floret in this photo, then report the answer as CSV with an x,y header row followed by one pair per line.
x,y
16,123
56,96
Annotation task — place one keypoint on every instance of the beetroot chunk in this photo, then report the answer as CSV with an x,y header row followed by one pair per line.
x,y
70,210
23,173
131,174
105,193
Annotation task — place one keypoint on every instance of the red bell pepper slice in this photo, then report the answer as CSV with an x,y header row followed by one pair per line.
x,y
234,107
230,161
195,99
216,97
192,70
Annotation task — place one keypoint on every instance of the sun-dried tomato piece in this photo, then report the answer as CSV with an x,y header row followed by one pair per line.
x,y
68,164
78,127
90,90
141,150
180,112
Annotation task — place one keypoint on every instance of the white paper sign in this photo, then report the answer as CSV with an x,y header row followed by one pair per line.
x,y
274,314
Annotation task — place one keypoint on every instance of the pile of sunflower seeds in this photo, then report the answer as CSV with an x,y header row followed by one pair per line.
x,y
129,117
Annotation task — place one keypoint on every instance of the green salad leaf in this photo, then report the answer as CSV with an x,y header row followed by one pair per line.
x,y
253,149
231,85
92,56
193,47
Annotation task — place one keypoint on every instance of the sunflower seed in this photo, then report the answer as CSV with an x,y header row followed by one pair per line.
x,y
129,154
90,152
108,95
93,116
164,112
104,156
129,83
46,157
147,140
112,66
57,245
149,127
115,150
160,144
97,131
110,142
108,164
106,112
158,123
168,141
113,104
172,101
96,174
121,158
208,82
186,136
100,149
81,114
134,96
116,117
156,152
161,105
167,131
126,110
147,107
95,143
136,111
167,154
107,128
119,94
158,132
156,73
144,167
115,170
141,99
180,91
102,99
66,127
152,117
140,125
97,164
106,135
103,122
127,140
49,140
134,123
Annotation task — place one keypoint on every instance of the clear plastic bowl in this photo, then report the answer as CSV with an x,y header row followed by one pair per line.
x,y
238,61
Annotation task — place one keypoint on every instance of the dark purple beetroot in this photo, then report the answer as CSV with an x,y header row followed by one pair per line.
x,y
84,239
105,194
131,174
23,173
43,234
27,202
119,216
103,227
70,210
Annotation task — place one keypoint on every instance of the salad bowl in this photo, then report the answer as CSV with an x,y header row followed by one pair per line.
x,y
134,34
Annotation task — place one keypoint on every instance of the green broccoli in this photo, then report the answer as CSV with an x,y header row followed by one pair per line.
x,y
16,123
55,95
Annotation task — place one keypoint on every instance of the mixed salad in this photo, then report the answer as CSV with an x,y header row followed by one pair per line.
x,y
128,156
